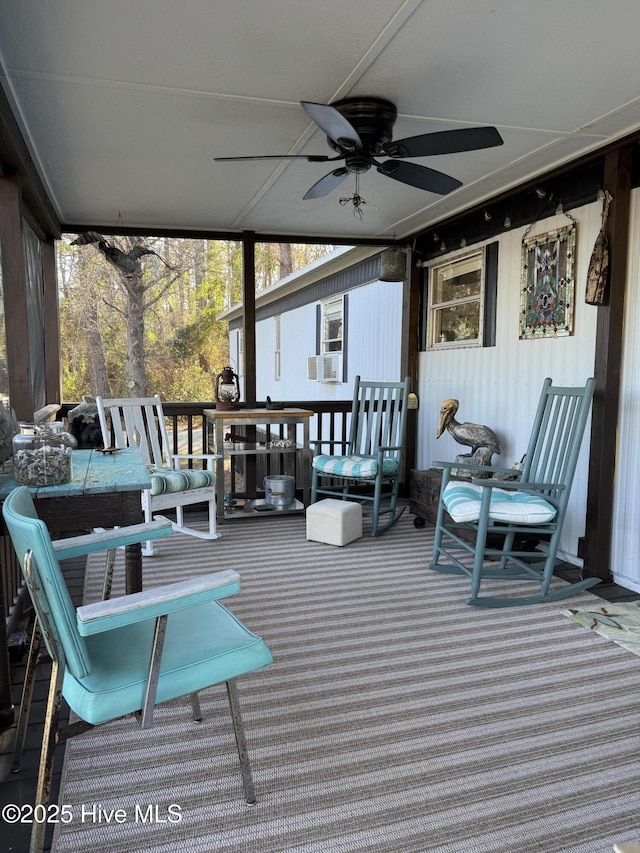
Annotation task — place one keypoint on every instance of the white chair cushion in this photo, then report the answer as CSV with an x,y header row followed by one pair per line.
x,y
357,467
463,501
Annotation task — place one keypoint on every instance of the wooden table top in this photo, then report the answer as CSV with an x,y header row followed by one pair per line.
x,y
246,414
92,473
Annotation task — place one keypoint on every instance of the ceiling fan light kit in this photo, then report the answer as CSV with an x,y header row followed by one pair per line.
x,y
360,130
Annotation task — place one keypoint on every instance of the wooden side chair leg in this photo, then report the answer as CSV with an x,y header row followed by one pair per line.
x,y
45,773
195,707
377,502
238,729
108,574
27,694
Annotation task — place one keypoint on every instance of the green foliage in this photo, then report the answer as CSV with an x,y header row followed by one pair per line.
x,y
183,290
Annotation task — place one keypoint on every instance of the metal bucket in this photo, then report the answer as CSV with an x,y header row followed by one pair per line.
x,y
279,489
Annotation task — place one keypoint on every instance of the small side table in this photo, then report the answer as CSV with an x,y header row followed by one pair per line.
x,y
424,495
218,421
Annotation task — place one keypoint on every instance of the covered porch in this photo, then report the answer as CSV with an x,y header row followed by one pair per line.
x,y
97,131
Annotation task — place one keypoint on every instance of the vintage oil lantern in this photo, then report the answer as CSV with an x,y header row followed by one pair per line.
x,y
227,390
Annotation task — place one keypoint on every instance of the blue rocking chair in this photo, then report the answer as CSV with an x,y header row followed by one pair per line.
x,y
371,456
120,657
471,512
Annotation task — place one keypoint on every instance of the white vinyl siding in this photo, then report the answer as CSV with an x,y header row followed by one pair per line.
x,y
277,346
500,385
373,345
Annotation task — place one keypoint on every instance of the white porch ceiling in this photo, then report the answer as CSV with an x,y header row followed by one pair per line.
x,y
124,104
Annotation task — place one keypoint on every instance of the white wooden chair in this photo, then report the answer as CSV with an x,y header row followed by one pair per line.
x,y
139,422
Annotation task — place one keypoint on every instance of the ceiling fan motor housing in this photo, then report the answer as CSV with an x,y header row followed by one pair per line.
x,y
372,119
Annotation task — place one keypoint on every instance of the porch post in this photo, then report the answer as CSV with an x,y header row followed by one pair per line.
x,y
608,362
409,361
249,315
249,332
14,283
51,323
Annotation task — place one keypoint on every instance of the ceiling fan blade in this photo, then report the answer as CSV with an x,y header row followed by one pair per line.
x,y
333,123
325,185
419,176
310,158
445,142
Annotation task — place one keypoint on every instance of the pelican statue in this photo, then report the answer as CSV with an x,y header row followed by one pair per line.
x,y
481,439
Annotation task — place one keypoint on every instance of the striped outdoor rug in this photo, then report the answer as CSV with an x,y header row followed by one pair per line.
x,y
394,717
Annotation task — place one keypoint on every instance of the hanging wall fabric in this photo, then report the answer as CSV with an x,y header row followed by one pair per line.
x,y
598,273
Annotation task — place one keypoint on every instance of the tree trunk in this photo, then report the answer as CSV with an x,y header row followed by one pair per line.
x,y
97,365
136,370
286,260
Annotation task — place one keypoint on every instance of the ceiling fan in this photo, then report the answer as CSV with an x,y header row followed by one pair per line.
x,y
361,130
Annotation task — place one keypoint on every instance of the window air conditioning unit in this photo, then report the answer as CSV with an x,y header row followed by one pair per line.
x,y
312,368
325,368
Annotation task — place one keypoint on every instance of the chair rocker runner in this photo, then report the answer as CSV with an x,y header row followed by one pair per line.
x,y
139,422
534,503
371,456
124,656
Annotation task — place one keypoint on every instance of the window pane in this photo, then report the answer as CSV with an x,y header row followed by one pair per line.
x,y
333,328
332,315
457,280
457,323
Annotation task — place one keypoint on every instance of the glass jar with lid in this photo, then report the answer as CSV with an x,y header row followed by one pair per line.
x,y
42,454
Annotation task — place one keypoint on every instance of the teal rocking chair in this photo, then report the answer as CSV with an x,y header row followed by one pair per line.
x,y
123,656
471,512
368,467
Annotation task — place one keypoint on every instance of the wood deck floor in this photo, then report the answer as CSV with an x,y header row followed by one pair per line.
x,y
20,788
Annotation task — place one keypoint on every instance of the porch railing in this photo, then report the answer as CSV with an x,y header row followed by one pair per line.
x,y
186,422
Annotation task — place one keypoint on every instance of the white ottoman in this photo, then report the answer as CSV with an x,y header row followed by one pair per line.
x,y
334,522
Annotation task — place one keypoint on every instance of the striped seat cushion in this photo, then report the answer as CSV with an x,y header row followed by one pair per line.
x,y
358,467
167,480
463,500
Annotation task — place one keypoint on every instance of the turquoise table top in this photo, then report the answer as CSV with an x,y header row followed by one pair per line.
x,y
93,473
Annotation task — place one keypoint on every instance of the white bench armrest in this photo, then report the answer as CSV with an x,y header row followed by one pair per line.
x,y
104,540
151,603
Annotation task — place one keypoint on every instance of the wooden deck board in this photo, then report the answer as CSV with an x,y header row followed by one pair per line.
x,y
20,788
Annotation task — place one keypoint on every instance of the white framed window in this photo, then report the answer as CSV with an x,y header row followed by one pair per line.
x,y
332,325
329,362
277,360
456,302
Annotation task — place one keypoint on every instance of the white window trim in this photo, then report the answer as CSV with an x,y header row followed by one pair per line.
x,y
324,342
433,307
